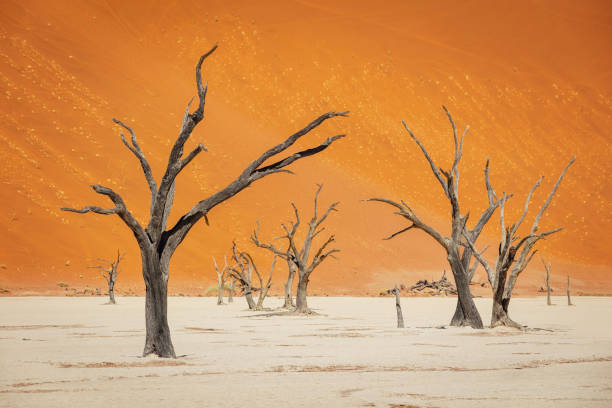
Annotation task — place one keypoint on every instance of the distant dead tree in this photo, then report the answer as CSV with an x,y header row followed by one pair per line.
x,y
292,268
158,244
569,299
109,272
264,287
221,277
514,254
300,257
398,307
458,255
289,303
230,296
243,270
547,268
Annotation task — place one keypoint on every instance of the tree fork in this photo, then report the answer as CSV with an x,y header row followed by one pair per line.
x,y
289,303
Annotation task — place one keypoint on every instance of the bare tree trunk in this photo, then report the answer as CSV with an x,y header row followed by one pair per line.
x,y
499,313
262,296
230,296
111,292
569,299
158,339
220,283
243,272
466,313
264,287
289,304
221,277
458,315
301,303
248,295
398,307
548,301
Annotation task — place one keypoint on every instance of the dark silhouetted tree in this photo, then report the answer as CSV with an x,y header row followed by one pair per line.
x,y
158,243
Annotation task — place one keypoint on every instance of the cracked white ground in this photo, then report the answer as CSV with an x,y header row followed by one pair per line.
x,y
80,352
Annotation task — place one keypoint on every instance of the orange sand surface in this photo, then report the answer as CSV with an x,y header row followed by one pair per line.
x,y
532,79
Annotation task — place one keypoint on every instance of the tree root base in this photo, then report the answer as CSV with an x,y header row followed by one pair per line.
x,y
506,322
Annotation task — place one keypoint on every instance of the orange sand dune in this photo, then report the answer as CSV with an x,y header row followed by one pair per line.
x,y
533,81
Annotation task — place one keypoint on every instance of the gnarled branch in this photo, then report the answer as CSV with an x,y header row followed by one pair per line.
x,y
137,151
253,172
406,212
527,252
120,209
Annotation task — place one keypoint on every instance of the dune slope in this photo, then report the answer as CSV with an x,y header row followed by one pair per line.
x,y
533,81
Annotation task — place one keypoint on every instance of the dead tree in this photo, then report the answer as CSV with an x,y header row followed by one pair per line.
x,y
242,271
436,288
514,254
300,257
157,243
398,307
221,277
230,296
458,256
264,288
569,299
289,303
547,267
110,274
292,268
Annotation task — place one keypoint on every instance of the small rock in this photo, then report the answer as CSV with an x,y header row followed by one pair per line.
x,y
68,263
